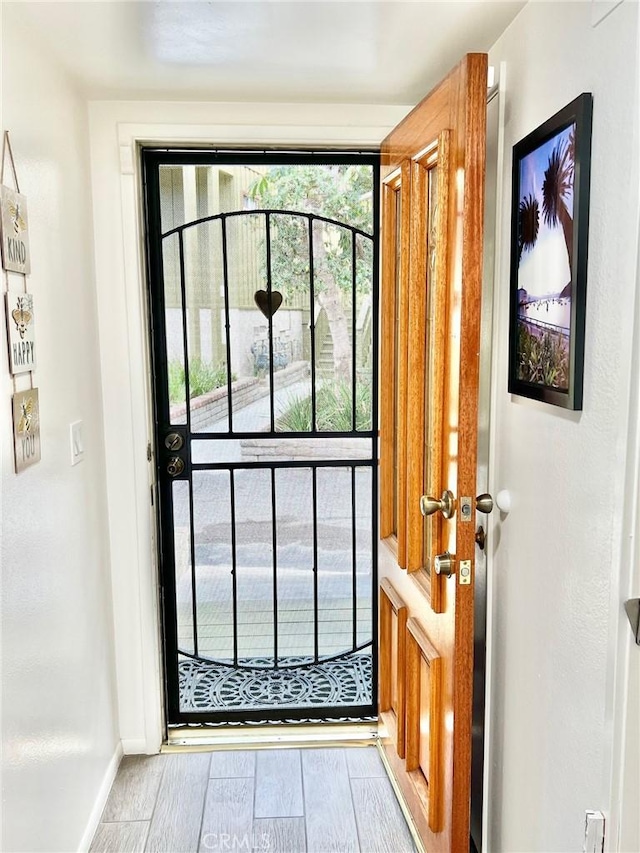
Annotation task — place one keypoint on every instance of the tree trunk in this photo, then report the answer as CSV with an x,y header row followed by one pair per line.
x,y
567,229
329,297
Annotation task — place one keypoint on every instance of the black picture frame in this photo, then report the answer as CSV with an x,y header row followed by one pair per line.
x,y
549,241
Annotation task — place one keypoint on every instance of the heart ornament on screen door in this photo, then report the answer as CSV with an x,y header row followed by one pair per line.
x,y
268,305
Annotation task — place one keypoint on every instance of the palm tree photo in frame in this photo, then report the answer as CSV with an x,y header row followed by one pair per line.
x,y
549,231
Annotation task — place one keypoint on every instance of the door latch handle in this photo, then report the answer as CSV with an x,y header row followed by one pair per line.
x,y
484,503
446,504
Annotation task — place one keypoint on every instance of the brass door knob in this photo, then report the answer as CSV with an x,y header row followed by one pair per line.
x,y
484,503
446,504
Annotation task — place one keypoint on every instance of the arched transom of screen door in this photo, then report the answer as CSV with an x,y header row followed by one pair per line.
x,y
433,167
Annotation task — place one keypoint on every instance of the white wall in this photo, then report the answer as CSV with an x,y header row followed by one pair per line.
x,y
59,736
556,570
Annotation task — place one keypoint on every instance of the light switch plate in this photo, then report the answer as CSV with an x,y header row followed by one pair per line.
x,y
593,832
77,442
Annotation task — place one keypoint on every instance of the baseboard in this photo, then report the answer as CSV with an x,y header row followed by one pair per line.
x,y
134,746
101,799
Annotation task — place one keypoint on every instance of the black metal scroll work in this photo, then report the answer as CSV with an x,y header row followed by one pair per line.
x,y
343,682
269,301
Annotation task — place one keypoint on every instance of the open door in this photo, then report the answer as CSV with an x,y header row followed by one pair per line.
x,y
433,169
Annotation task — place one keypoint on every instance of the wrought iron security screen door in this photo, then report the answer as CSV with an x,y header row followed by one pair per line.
x,y
263,294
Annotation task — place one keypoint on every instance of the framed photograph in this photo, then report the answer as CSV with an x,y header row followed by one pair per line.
x,y
549,236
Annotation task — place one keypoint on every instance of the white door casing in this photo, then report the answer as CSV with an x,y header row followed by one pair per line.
x,y
117,129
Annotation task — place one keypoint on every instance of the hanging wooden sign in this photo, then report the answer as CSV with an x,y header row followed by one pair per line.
x,y
15,231
26,428
21,332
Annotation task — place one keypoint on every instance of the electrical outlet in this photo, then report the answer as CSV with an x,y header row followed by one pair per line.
x,y
77,442
593,832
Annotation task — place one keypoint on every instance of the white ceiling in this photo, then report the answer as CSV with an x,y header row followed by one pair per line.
x,y
345,51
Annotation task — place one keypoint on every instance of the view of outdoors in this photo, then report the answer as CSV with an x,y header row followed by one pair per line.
x,y
278,339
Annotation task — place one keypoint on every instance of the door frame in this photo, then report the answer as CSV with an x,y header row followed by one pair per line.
x,y
493,255
117,131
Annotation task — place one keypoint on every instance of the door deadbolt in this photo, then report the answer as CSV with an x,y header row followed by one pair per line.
x,y
174,441
444,563
175,466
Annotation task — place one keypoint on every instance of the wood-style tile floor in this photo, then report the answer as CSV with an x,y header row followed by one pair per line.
x,y
329,800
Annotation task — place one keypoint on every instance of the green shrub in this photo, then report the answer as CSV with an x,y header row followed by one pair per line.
x,y
176,382
543,360
203,377
333,409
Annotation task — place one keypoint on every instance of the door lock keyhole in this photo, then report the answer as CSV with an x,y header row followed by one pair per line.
x,y
175,466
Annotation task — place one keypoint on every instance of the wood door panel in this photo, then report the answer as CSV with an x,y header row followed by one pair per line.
x,y
402,389
435,436
387,360
426,363
393,622
416,361
424,731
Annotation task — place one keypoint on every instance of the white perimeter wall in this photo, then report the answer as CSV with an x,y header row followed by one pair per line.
x,y
59,731
561,563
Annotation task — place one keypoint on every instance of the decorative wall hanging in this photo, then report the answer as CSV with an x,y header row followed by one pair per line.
x,y
19,315
549,235
26,428
21,332
15,231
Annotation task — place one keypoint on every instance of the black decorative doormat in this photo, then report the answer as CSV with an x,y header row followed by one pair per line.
x,y
208,686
